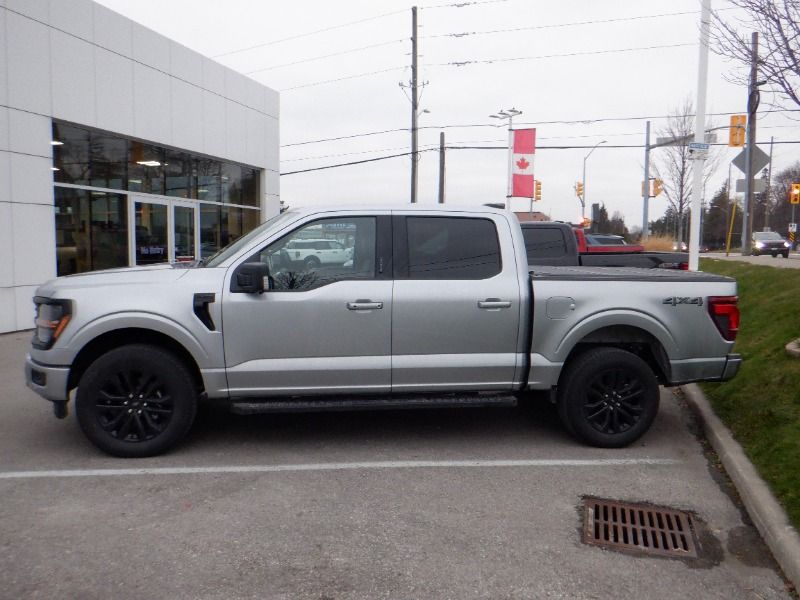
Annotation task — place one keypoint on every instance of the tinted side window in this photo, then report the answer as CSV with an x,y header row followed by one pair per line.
x,y
298,265
544,242
452,248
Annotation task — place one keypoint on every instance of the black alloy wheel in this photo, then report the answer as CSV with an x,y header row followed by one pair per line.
x,y
608,397
613,401
133,405
135,401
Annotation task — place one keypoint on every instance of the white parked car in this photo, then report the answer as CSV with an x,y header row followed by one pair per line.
x,y
314,253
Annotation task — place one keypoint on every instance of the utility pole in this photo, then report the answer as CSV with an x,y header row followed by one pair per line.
x,y
646,188
699,138
441,167
752,107
769,182
414,107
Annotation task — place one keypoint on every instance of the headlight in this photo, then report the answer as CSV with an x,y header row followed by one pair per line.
x,y
759,244
52,317
787,245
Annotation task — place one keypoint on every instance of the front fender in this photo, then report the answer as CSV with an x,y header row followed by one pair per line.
x,y
65,355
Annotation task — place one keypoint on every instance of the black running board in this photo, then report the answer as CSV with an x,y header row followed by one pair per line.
x,y
250,407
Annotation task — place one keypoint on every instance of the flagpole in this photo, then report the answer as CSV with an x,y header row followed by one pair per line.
x,y
509,114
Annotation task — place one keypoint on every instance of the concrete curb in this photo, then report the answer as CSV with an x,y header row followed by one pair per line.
x,y
768,516
793,348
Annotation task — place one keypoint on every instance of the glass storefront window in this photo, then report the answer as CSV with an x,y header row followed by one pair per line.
x,y
93,158
250,181
109,161
231,183
146,168
92,225
209,230
179,171
184,233
70,154
91,230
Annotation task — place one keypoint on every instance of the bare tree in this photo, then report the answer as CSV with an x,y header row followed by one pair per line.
x,y
674,164
778,25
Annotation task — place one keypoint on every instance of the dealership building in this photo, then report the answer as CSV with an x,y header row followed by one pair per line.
x,y
120,147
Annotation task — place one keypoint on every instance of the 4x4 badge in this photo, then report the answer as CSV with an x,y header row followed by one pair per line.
x,y
675,300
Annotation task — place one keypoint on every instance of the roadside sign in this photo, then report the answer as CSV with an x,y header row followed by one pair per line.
x,y
759,185
760,160
699,150
793,227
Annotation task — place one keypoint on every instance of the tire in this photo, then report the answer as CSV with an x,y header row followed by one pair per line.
x,y
311,262
608,397
785,254
136,401
774,255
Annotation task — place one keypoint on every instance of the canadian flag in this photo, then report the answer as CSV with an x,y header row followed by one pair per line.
x,y
524,148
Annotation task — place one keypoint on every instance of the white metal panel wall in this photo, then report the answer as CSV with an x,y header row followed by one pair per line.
x,y
81,62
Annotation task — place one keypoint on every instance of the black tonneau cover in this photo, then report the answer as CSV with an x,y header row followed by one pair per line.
x,y
621,274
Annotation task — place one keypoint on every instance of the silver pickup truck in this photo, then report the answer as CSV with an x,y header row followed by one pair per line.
x,y
432,307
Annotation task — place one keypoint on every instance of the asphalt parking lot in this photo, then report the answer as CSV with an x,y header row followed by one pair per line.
x,y
426,504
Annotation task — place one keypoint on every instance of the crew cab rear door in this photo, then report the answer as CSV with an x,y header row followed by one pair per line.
x,y
456,304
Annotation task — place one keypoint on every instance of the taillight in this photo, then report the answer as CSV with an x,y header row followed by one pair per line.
x,y
684,266
725,314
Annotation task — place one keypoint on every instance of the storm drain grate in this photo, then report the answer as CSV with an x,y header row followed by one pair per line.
x,y
638,528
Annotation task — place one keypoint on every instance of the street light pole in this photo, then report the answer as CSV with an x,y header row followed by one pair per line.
x,y
583,198
508,114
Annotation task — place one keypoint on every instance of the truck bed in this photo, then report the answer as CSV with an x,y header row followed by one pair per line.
x,y
623,274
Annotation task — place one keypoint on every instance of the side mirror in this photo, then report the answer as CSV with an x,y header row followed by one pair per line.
x,y
251,278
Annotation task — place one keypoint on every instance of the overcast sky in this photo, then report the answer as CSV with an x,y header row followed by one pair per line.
x,y
599,93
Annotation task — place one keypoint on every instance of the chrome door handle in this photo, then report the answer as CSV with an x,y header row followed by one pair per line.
x,y
494,303
364,305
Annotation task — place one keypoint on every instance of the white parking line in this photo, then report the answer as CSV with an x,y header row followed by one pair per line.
x,y
353,466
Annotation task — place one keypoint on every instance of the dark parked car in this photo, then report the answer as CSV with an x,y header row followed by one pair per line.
x,y
769,242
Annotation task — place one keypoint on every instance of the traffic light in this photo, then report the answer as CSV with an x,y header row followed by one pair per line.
x,y
794,195
579,189
658,187
538,194
736,133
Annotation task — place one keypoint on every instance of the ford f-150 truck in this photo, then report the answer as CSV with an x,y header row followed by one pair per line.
x,y
435,307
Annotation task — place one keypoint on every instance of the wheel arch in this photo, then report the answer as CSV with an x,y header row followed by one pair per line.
x,y
126,336
631,338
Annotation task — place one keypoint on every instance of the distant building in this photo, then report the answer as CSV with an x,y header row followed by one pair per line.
x,y
532,216
120,147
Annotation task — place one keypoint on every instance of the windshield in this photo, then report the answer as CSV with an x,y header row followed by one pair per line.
x,y
225,253
767,235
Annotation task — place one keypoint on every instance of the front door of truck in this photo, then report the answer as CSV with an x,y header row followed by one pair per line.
x,y
456,314
324,327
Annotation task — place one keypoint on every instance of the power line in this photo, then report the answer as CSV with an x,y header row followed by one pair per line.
x,y
490,61
302,35
305,60
538,148
461,4
587,121
571,24
345,78
561,25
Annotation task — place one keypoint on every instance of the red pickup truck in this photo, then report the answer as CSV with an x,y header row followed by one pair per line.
x,y
554,243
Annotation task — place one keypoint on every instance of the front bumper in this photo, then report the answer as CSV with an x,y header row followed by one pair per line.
x,y
47,381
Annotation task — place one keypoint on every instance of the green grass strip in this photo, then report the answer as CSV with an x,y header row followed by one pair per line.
x,y
761,405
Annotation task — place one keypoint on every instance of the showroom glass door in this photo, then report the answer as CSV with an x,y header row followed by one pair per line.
x,y
150,236
163,230
184,232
